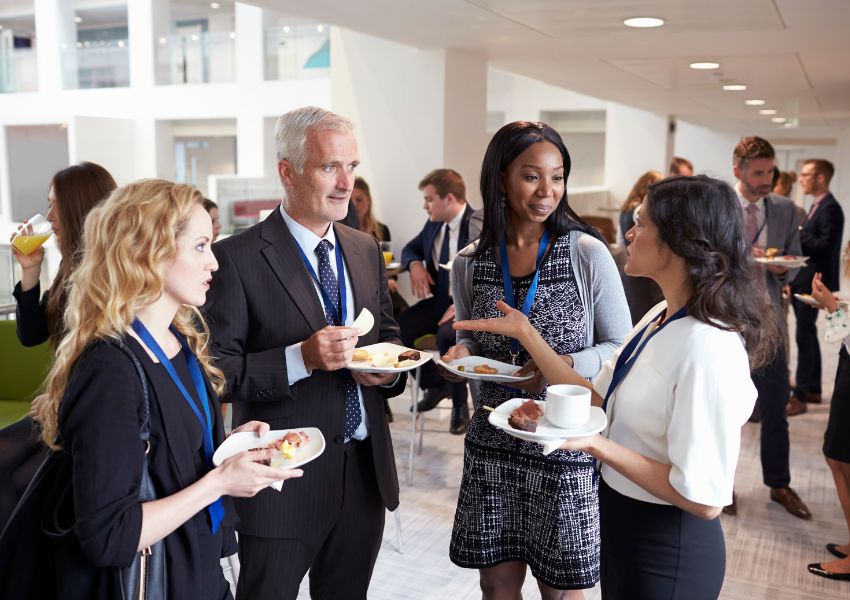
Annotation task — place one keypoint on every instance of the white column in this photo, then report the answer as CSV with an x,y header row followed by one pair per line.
x,y
251,143
146,22
56,36
465,119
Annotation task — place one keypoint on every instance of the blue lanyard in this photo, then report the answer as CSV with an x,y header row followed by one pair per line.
x,y
216,509
510,296
339,317
628,357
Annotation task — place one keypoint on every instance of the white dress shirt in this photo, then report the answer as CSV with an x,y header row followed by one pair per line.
x,y
683,403
454,234
308,241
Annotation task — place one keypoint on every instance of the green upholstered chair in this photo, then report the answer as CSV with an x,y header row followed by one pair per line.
x,y
22,373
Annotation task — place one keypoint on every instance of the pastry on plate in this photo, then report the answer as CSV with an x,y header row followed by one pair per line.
x,y
485,370
361,355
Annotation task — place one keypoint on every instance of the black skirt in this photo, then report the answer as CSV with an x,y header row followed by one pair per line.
x,y
836,440
652,551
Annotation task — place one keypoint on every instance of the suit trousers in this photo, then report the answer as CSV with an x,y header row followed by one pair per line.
x,y
771,381
340,556
808,378
421,319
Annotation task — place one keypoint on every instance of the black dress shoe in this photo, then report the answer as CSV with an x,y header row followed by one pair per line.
x,y
432,398
833,549
817,569
460,420
732,509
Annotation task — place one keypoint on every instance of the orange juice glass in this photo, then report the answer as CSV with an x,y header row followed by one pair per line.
x,y
32,235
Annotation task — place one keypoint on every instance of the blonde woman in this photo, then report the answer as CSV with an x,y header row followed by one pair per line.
x,y
146,265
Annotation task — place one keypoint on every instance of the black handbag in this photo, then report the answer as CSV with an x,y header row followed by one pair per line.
x,y
39,534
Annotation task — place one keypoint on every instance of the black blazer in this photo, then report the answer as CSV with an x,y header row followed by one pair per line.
x,y
31,315
263,299
99,428
820,239
419,248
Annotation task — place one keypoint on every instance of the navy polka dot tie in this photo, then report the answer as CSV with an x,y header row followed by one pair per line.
x,y
348,387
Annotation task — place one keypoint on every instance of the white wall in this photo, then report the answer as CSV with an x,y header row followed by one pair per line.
x,y
709,150
111,143
635,142
35,153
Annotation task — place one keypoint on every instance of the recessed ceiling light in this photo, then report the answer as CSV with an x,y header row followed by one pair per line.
x,y
704,65
778,120
162,40
643,22
120,43
320,28
754,102
767,111
286,29
78,19
215,5
734,87
232,35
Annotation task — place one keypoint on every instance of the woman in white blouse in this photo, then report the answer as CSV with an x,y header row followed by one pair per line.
x,y
676,394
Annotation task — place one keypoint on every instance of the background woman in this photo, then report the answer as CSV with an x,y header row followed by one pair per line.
x,y
518,508
147,264
633,200
73,192
836,442
674,423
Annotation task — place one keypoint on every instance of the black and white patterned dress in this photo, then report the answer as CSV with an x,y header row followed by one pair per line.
x,y
514,503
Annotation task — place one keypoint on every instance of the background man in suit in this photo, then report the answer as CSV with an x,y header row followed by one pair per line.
x,y
820,238
451,225
279,310
770,221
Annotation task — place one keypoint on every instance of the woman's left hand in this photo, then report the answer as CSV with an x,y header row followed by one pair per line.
x,y
260,427
535,385
514,324
588,443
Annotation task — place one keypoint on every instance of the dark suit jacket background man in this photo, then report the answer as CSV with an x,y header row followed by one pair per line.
x,y
770,221
820,238
444,194
285,365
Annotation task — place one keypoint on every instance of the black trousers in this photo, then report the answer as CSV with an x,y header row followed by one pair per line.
x,y
771,381
652,551
808,375
340,556
421,319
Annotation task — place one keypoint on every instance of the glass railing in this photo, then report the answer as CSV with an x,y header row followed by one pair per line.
x,y
101,64
197,58
302,52
18,70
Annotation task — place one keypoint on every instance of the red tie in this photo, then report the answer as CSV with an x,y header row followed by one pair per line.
x,y
752,226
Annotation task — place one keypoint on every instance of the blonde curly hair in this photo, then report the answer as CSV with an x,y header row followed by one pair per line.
x,y
127,243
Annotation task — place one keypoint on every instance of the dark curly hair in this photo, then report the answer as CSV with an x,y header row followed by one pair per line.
x,y
700,219
508,143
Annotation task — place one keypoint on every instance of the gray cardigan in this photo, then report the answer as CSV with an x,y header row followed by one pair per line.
x,y
600,289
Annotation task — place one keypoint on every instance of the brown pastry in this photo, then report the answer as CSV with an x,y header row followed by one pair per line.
x,y
485,370
771,252
409,355
525,416
361,355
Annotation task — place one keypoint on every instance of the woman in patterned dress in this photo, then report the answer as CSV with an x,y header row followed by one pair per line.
x,y
516,507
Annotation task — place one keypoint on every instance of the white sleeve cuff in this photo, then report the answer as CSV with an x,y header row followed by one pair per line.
x,y
295,368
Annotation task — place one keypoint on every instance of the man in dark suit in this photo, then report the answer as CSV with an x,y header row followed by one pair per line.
x,y
451,225
820,238
770,221
280,310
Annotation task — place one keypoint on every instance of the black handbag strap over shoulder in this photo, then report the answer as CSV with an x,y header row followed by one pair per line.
x,y
145,425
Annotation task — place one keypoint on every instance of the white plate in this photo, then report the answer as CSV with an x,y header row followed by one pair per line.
x,y
505,374
393,266
364,322
447,266
545,430
390,352
807,299
246,440
790,262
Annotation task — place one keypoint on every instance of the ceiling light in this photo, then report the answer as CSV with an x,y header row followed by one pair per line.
x,y
287,29
704,65
320,28
195,37
162,40
778,120
643,22
215,5
120,43
232,35
767,111
754,102
734,87
78,19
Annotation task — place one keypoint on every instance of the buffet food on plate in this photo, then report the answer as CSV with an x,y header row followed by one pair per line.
x,y
525,416
407,358
288,446
480,369
771,252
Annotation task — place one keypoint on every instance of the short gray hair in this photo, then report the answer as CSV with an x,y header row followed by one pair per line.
x,y
290,132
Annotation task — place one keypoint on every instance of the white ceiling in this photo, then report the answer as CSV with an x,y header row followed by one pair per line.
x,y
792,53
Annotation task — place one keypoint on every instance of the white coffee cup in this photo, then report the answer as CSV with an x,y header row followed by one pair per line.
x,y
567,405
